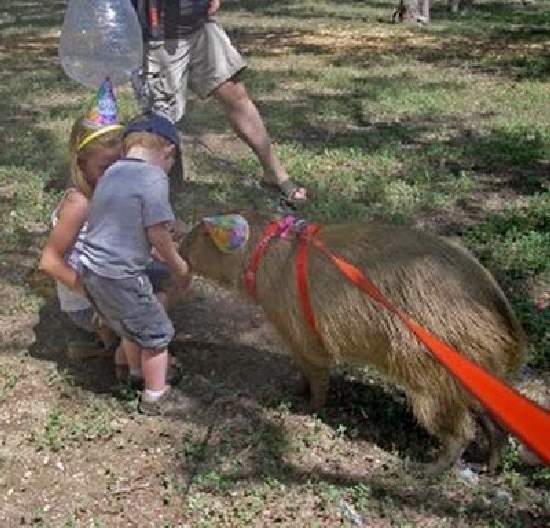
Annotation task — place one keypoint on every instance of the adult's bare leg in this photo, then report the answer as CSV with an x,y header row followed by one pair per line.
x,y
249,126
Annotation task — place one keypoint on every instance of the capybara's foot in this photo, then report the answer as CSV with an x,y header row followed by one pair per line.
x,y
316,379
318,396
434,469
496,437
495,453
303,389
448,457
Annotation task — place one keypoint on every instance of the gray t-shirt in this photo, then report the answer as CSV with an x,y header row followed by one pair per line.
x,y
131,196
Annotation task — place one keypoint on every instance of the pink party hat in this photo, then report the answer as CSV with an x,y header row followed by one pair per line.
x,y
228,232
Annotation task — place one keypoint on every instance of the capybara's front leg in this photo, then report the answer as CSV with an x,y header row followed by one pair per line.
x,y
318,382
316,379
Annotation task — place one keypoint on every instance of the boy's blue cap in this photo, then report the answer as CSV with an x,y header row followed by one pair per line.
x,y
154,124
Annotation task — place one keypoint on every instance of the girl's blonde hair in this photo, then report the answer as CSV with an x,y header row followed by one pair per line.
x,y
80,149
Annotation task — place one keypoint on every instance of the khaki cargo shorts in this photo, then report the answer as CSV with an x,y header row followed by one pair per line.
x,y
203,61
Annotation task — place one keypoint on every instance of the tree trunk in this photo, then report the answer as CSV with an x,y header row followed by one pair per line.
x,y
413,11
462,6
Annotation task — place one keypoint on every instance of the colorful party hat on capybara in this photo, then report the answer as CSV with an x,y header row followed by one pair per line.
x,y
102,115
228,232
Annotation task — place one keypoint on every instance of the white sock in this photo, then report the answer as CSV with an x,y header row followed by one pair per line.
x,y
151,395
136,372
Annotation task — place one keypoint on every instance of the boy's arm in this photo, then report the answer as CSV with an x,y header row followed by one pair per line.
x,y
161,239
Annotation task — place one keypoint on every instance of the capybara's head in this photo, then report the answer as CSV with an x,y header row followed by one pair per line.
x,y
218,247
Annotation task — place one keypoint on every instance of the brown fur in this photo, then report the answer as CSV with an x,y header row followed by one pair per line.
x,y
438,284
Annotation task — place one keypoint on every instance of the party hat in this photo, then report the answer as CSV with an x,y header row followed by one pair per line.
x,y
102,115
228,232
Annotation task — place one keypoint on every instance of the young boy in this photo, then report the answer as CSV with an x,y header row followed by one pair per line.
x,y
130,213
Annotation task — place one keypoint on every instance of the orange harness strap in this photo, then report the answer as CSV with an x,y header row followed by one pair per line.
x,y
270,231
524,418
301,274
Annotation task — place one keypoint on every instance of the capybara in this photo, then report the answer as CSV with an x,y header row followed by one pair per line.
x,y
438,284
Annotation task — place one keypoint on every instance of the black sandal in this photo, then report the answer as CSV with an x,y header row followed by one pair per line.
x,y
287,192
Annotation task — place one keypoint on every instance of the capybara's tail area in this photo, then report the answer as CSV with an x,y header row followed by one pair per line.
x,y
510,342
517,350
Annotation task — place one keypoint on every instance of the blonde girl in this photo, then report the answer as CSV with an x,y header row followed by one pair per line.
x,y
92,149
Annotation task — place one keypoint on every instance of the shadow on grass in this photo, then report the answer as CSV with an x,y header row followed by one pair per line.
x,y
345,11
242,445
495,14
25,15
502,39
31,67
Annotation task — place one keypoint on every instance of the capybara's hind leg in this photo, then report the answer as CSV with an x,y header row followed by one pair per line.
x,y
450,421
450,453
496,437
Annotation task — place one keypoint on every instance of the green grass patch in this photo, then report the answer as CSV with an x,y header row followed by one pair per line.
x,y
63,429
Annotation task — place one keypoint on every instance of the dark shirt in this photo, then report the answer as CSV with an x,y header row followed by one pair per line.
x,y
170,19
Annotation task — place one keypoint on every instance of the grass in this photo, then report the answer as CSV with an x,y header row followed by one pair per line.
x,y
446,127
97,422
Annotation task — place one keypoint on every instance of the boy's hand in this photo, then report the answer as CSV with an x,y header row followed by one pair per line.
x,y
156,255
163,244
182,281
177,232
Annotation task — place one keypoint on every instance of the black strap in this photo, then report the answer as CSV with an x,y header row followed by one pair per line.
x,y
139,6
171,13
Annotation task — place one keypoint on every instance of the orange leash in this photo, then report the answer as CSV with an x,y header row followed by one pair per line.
x,y
523,417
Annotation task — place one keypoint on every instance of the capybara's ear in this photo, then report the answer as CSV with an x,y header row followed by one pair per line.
x,y
230,233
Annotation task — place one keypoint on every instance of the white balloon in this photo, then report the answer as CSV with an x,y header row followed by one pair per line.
x,y
100,39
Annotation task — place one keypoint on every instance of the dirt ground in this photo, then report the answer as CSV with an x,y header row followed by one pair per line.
x,y
74,452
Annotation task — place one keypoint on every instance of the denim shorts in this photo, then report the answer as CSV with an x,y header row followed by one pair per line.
x,y
130,308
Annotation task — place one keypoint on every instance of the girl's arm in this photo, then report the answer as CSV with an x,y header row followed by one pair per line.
x,y
71,217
